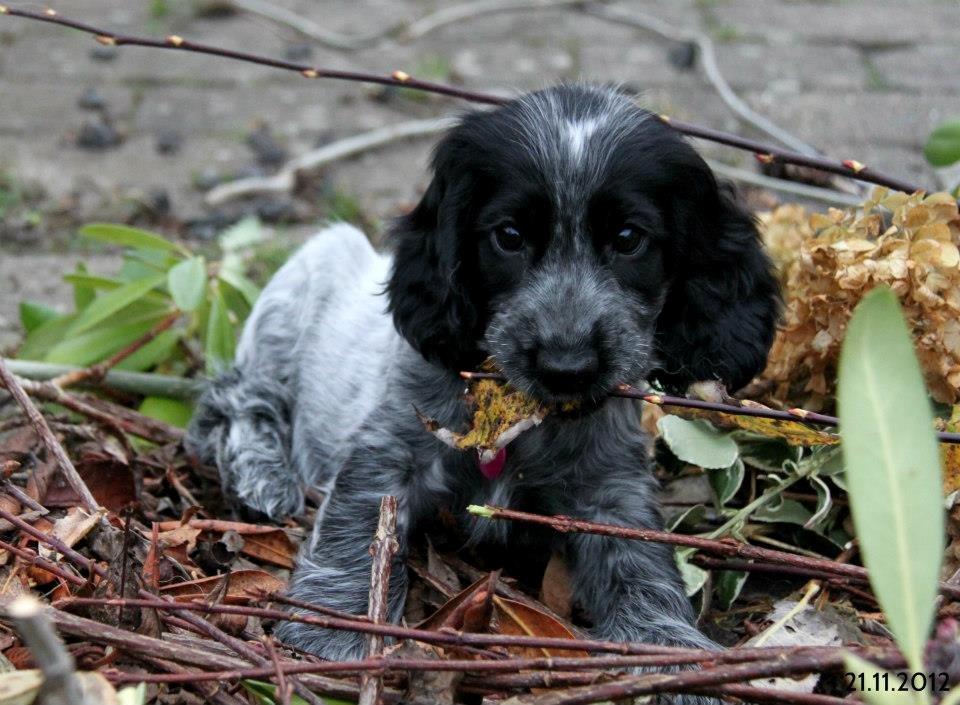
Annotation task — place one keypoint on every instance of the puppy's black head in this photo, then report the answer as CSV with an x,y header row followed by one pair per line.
x,y
581,242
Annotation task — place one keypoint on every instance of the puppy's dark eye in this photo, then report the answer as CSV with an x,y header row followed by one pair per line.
x,y
628,241
508,238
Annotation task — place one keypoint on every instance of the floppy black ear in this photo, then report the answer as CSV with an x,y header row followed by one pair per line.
x,y
722,309
430,284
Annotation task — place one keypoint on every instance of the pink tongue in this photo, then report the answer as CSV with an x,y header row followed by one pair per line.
x,y
492,468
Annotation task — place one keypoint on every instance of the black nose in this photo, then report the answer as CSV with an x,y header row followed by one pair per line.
x,y
568,370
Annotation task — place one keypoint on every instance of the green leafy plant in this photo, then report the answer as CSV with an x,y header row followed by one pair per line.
x,y
892,468
158,279
943,145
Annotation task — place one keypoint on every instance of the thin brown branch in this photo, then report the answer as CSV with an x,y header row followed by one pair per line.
x,y
97,372
383,549
697,681
746,408
722,547
53,446
633,653
849,168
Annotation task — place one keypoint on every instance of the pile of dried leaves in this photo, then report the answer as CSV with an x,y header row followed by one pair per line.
x,y
828,261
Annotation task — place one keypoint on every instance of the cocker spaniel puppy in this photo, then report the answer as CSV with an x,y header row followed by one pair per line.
x,y
580,242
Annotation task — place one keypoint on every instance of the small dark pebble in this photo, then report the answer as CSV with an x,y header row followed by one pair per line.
x,y
268,150
158,201
92,99
683,55
97,134
275,210
207,179
298,52
207,227
103,52
169,142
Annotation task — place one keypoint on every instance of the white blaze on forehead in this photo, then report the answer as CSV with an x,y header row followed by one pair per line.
x,y
578,134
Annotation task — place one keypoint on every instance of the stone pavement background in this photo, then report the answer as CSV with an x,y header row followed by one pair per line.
x,y
865,79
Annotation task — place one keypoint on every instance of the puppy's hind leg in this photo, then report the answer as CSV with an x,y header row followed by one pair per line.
x,y
242,425
334,569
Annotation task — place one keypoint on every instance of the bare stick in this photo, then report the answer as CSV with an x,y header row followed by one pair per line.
x,y
722,547
383,548
97,372
746,408
60,684
848,167
53,446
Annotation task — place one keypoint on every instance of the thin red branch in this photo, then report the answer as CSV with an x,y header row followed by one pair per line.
x,y
746,409
723,547
848,167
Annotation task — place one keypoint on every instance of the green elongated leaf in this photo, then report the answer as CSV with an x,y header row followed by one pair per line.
x,y
943,145
694,577
697,442
880,686
241,284
187,281
243,234
130,237
45,336
892,468
95,345
158,350
175,412
726,481
786,511
111,302
33,315
729,583
92,281
82,293
687,519
221,338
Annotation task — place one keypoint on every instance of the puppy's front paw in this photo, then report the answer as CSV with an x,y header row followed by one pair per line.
x,y
276,494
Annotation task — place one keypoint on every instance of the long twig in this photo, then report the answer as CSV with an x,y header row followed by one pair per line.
x,y
746,408
383,549
53,446
721,547
144,383
849,167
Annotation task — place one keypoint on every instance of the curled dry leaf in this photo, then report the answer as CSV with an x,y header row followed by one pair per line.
x,y
501,413
266,543
829,261
793,432
240,590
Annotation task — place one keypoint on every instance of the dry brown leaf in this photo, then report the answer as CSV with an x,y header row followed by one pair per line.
x,y
72,528
827,263
517,618
950,453
242,583
265,543
793,432
556,591
469,610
